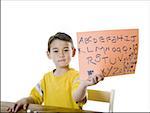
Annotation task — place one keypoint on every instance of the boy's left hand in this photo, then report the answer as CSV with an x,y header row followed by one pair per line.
x,y
92,80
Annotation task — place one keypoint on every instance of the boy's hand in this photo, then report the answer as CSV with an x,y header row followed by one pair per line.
x,y
92,80
23,103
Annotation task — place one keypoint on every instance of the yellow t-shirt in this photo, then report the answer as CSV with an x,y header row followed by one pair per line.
x,y
57,90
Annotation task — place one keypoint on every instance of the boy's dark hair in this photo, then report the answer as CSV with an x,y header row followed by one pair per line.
x,y
60,36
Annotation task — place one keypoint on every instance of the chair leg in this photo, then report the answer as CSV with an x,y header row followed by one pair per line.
x,y
111,100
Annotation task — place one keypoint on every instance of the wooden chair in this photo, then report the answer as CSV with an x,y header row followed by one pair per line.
x,y
102,96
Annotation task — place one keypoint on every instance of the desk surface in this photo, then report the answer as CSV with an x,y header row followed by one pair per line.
x,y
40,108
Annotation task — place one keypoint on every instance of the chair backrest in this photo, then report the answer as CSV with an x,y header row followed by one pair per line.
x,y
102,96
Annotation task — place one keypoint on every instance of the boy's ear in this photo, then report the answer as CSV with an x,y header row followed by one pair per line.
x,y
73,52
48,55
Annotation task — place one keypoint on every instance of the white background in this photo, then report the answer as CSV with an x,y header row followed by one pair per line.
x,y
27,25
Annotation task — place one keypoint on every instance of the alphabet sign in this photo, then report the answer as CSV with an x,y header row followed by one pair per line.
x,y
108,52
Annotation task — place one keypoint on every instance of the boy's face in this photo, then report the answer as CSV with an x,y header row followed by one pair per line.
x,y
61,52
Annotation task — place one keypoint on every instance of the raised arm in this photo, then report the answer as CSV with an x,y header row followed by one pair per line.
x,y
80,93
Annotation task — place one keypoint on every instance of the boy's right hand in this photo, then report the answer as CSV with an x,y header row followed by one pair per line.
x,y
92,80
21,104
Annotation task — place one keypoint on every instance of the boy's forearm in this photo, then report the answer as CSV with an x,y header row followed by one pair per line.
x,y
30,100
80,93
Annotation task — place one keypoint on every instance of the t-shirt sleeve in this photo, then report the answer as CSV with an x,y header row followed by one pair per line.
x,y
37,92
75,85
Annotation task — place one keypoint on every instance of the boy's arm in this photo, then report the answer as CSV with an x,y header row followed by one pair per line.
x,y
80,93
22,103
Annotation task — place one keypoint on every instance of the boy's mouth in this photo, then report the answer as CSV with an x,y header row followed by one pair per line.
x,y
62,60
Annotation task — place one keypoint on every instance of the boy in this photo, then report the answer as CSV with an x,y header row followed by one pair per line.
x,y
61,87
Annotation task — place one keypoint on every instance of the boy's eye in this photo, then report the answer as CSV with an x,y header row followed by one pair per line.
x,y
66,50
55,51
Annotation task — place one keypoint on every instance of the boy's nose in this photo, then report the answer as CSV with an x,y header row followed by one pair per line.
x,y
61,54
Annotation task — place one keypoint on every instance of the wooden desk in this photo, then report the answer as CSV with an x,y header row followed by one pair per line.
x,y
40,108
